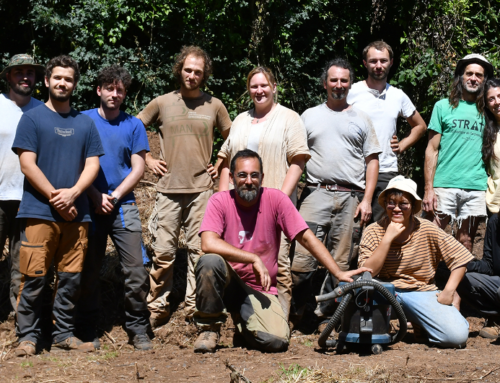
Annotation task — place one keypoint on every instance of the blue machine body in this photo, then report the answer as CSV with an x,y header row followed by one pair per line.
x,y
366,319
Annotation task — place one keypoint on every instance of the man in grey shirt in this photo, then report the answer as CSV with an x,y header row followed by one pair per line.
x,y
341,178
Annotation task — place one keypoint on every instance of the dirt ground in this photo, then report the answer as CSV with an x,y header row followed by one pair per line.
x,y
173,359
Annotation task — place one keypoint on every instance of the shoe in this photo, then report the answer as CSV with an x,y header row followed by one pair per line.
x,y
141,342
156,322
419,335
89,335
73,343
206,342
26,348
490,330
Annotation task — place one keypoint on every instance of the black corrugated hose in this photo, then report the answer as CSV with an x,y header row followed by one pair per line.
x,y
346,290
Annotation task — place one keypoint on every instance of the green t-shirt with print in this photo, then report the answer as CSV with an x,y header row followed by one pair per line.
x,y
460,164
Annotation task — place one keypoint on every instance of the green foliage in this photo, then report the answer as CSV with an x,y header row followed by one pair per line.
x,y
294,38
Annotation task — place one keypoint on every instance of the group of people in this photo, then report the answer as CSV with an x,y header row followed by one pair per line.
x,y
67,184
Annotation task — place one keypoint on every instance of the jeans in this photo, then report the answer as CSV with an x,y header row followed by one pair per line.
x,y
444,325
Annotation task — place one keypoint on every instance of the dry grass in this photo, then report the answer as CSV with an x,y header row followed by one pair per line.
x,y
355,374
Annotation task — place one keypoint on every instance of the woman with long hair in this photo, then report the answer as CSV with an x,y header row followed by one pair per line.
x,y
491,143
278,135
405,250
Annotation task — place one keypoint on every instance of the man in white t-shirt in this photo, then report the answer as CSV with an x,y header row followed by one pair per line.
x,y
384,104
21,74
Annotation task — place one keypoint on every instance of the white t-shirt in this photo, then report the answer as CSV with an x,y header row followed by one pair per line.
x,y
338,142
11,178
254,136
383,109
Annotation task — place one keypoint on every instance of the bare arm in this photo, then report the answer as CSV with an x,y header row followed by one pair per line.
x,y
130,182
365,206
211,242
158,167
307,239
33,173
377,259
293,174
224,176
431,158
418,129
446,296
64,198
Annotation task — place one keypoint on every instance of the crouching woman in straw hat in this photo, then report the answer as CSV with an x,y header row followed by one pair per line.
x,y
405,250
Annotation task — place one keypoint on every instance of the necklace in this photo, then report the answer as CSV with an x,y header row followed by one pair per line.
x,y
257,120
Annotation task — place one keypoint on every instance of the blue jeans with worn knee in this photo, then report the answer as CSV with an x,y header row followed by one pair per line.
x,y
444,325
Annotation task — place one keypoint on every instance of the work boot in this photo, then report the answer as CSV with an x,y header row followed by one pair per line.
x,y
158,321
26,348
141,342
206,342
73,343
88,334
490,330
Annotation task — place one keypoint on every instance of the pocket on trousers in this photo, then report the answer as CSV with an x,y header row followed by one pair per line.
x,y
72,262
33,259
131,220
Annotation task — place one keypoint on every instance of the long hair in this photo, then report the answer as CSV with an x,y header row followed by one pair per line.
x,y
457,89
197,52
491,127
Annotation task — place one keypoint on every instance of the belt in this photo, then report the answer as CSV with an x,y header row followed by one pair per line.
x,y
336,187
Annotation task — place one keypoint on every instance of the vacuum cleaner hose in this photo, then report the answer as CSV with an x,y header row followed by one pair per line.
x,y
347,291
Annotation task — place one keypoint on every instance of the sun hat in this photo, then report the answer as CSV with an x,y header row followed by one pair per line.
x,y
474,58
403,184
23,59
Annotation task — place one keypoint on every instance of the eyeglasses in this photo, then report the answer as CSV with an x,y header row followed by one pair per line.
x,y
403,205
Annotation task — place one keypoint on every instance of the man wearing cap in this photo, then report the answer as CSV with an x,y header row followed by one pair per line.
x,y
21,74
384,104
455,175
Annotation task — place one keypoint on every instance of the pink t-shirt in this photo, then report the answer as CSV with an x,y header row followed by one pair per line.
x,y
256,229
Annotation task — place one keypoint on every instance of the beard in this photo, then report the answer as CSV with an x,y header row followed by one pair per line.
x,y
22,91
341,96
59,97
248,194
472,90
378,76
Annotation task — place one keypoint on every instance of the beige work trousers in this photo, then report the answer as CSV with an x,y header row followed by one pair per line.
x,y
171,212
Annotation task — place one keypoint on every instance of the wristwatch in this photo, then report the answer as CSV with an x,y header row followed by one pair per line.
x,y
114,201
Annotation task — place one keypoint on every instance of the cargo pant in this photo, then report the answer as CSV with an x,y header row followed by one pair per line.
x,y
330,216
124,227
10,228
171,212
258,316
42,242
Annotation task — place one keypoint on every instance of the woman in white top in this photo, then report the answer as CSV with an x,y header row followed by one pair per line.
x,y
491,143
278,135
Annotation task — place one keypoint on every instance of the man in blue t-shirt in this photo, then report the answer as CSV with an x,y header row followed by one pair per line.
x,y
59,151
116,214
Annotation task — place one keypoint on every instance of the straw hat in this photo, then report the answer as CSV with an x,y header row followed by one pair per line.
x,y
405,185
474,58
23,59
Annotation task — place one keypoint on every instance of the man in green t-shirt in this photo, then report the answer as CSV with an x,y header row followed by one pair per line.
x,y
455,176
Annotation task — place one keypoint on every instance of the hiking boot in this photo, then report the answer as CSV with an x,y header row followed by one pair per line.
x,y
141,342
206,342
73,343
156,322
89,335
490,330
26,348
